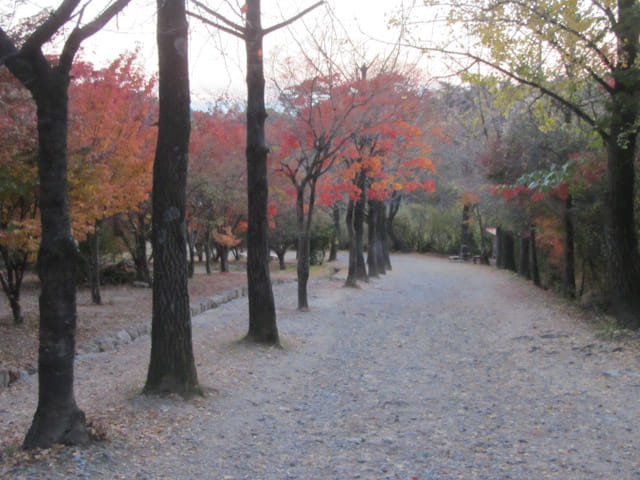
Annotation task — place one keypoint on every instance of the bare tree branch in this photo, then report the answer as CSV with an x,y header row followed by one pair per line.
x,y
266,31
531,83
78,35
237,30
50,26
216,25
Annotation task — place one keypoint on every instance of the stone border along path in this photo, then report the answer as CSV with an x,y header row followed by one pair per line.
x,y
436,371
128,334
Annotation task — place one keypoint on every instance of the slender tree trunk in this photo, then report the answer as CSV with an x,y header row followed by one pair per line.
x,y
262,313
499,247
372,255
143,273
569,270
465,231
523,264
351,275
192,255
15,264
304,250
223,251
509,251
94,264
533,259
333,254
57,418
172,368
207,249
358,228
485,252
394,206
385,259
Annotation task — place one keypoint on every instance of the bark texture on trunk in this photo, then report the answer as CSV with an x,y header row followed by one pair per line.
x,y
335,215
172,367
568,263
523,263
621,241
303,249
57,419
94,265
15,264
394,206
262,312
355,226
533,258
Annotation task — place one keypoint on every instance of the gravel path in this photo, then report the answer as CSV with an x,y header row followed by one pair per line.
x,y
438,370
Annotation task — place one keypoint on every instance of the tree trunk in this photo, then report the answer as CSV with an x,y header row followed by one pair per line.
x,y
385,259
499,248
333,254
569,271
523,263
465,231
508,245
621,243
351,275
57,418
15,264
533,259
372,254
94,264
139,253
358,228
485,251
262,312
304,250
223,251
394,206
172,368
192,253
207,249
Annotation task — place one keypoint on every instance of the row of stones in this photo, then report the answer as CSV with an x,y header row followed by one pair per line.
x,y
128,334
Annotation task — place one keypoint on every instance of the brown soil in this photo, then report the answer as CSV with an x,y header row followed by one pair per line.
x,y
121,306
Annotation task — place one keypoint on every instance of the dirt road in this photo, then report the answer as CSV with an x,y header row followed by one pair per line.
x,y
437,370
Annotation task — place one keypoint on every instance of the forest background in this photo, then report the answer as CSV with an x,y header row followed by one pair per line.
x,y
524,151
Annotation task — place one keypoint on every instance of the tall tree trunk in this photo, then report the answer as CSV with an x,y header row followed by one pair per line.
x,y
57,418
621,243
569,270
499,247
207,249
262,312
465,231
385,259
94,264
508,245
351,275
335,213
523,263
223,252
171,368
394,206
192,254
358,227
304,251
372,255
533,259
15,264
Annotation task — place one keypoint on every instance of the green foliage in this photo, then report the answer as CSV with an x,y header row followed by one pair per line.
x,y
321,237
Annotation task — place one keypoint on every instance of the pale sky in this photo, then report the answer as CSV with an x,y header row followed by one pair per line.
x,y
217,59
